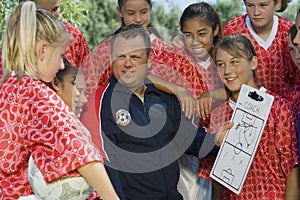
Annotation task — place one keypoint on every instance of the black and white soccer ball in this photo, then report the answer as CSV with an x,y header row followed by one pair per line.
x,y
69,188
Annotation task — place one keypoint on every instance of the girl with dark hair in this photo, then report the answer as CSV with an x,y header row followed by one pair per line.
x,y
201,28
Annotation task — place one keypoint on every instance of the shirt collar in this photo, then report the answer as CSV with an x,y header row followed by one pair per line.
x,y
118,87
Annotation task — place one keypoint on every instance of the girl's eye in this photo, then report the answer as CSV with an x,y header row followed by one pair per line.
x,y
188,36
234,62
130,13
220,65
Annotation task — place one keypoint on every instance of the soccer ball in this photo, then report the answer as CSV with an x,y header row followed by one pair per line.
x,y
70,188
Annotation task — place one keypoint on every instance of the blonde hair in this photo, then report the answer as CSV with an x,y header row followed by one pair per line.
x,y
25,27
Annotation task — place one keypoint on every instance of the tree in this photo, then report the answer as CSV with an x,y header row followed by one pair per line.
x,y
102,20
167,23
228,9
71,11
291,11
5,8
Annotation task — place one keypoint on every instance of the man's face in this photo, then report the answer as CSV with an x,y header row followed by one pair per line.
x,y
130,62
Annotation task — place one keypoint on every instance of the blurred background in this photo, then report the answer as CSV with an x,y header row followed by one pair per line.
x,y
97,19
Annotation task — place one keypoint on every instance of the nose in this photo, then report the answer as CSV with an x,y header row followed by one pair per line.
x,y
227,69
195,41
256,11
138,19
297,38
127,62
83,98
62,65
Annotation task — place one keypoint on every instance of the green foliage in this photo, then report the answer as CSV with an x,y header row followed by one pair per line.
x,y
228,9
97,19
167,23
73,10
5,8
102,20
291,11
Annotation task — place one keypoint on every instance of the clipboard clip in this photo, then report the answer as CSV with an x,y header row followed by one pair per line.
x,y
253,95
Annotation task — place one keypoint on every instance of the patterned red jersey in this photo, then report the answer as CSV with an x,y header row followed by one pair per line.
x,y
36,122
78,48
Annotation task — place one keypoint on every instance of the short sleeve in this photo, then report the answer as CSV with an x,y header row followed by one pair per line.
x,y
285,135
62,143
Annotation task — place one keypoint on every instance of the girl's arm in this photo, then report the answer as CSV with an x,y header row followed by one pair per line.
x,y
187,101
292,185
204,102
96,175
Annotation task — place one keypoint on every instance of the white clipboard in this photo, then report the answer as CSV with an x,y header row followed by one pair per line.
x,y
239,146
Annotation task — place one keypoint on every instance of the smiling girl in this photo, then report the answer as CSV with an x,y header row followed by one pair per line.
x,y
274,172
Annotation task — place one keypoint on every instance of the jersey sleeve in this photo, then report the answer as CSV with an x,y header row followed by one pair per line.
x,y
78,49
62,143
97,68
285,135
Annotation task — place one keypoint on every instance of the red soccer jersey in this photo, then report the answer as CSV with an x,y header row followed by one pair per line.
x,y
35,121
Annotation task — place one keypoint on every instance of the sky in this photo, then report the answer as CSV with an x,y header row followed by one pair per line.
x,y
181,3
184,3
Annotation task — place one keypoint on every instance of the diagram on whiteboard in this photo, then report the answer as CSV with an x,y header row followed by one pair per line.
x,y
237,151
247,131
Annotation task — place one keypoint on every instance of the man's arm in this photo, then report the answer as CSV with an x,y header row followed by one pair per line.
x,y
206,144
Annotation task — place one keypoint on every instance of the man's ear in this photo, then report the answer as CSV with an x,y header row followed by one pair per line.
x,y
56,85
150,57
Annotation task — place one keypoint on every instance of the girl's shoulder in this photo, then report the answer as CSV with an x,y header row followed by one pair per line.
x,y
235,25
280,103
283,24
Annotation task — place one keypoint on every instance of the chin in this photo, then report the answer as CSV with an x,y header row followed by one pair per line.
x,y
78,111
